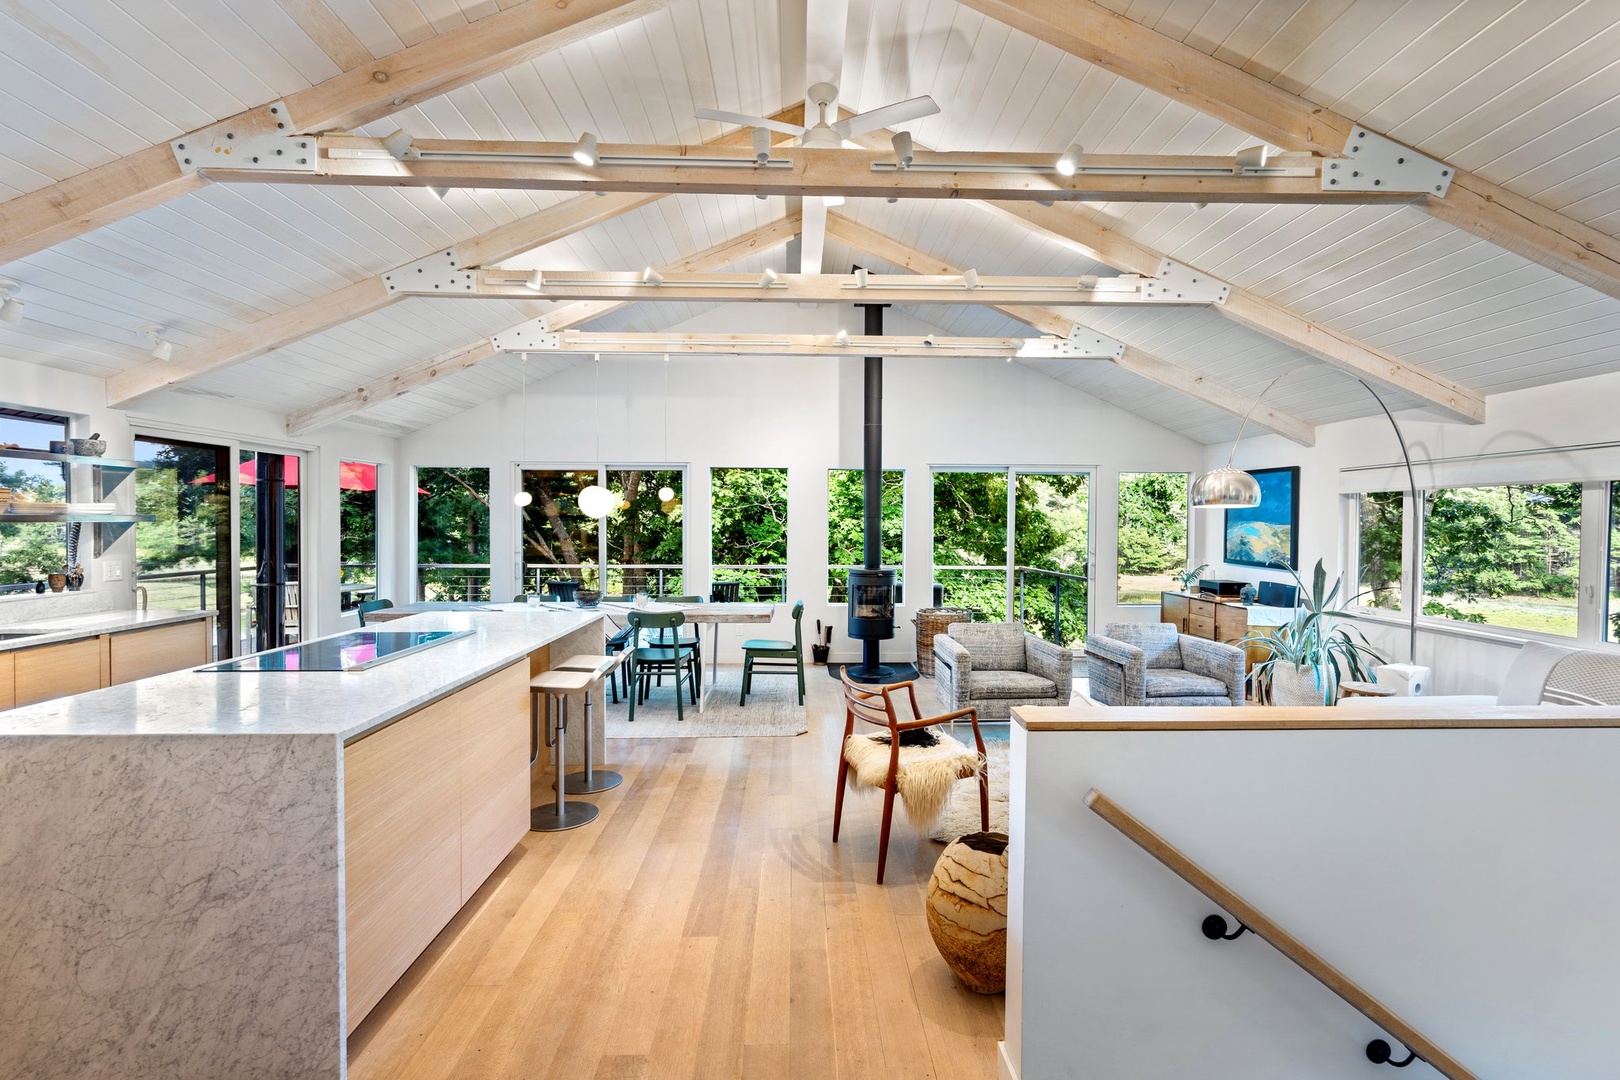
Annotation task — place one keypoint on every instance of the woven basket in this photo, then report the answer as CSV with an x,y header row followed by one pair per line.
x,y
931,621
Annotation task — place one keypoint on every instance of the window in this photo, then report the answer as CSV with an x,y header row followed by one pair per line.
x,y
1611,627
559,542
970,541
1380,521
646,535
1153,535
845,536
31,550
1504,556
1051,553
452,534
357,539
748,531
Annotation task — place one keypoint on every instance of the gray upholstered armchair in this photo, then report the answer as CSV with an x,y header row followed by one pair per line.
x,y
1142,663
994,666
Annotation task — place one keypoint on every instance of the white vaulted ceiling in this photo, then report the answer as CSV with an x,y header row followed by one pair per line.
x,y
1523,94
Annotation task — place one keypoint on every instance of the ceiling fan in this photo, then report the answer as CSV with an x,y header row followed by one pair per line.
x,y
825,135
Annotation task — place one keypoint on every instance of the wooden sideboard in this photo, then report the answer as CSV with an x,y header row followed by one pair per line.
x,y
1216,620
43,672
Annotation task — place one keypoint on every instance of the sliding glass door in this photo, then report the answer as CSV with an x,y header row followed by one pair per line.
x,y
183,558
268,549
1016,543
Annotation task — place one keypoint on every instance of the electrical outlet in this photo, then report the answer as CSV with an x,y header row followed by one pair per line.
x,y
112,570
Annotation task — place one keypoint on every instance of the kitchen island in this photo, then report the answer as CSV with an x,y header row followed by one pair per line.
x,y
217,874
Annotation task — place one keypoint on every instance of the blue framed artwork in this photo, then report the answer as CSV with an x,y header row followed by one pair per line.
x,y
1268,534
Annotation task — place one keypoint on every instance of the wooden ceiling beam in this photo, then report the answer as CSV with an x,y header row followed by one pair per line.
x,y
1182,73
150,177
347,160
1258,313
1137,361
194,362
333,409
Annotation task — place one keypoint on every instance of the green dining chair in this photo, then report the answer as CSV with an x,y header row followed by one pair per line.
x,y
775,657
365,606
645,659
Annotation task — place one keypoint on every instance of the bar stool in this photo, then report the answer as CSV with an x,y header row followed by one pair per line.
x,y
558,684
592,779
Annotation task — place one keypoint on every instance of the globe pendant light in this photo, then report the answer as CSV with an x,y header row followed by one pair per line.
x,y
597,501
666,493
523,498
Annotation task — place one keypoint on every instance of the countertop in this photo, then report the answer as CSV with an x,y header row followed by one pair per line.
x,y
345,704
74,627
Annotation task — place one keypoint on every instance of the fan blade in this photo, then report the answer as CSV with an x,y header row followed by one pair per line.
x,y
887,116
750,121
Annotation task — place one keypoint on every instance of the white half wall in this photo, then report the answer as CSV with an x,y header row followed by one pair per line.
x,y
1464,877
804,414
1465,660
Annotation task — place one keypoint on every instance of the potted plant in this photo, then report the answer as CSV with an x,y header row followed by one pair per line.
x,y
1189,578
1310,654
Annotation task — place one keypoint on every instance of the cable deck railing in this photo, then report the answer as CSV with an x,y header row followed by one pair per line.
x,y
1252,920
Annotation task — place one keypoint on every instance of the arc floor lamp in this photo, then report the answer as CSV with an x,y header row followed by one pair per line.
x,y
1230,488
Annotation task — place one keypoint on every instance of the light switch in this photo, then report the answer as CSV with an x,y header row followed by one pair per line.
x,y
112,570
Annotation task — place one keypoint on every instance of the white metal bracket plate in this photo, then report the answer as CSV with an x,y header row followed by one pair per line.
x,y
251,145
1179,283
1081,344
1373,162
532,336
435,275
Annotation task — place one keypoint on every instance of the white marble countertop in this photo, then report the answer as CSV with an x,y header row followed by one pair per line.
x,y
345,704
74,627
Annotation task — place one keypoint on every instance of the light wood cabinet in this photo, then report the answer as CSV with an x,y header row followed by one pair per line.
x,y
140,654
45,672
432,804
52,671
1204,617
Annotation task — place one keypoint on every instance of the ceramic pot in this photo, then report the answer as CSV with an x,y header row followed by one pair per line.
x,y
94,446
1294,686
58,582
967,910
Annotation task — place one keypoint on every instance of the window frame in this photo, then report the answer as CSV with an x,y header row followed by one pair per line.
x,y
1186,526
787,527
905,527
1591,586
602,469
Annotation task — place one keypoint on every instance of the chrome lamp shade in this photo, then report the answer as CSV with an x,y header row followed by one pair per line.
x,y
1227,488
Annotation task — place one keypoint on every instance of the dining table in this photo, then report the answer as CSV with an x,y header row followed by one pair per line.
x,y
713,615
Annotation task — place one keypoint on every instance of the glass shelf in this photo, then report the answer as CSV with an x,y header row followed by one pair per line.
x,y
69,459
63,516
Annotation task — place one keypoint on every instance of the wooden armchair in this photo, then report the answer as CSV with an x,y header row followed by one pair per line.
x,y
922,771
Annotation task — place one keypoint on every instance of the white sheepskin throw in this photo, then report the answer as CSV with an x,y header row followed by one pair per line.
x,y
925,777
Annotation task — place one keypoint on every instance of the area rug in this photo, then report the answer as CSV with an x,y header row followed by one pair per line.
x,y
773,710
961,814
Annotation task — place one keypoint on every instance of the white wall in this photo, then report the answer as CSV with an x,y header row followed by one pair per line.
x,y
1559,415
806,415
205,420
1466,878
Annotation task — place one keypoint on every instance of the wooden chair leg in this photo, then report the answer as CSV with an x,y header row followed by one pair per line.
x,y
632,688
800,659
838,802
883,838
680,706
984,798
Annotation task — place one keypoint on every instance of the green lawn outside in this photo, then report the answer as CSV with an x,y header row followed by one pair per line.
x,y
1543,615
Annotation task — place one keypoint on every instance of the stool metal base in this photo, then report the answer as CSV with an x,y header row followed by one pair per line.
x,y
574,814
601,780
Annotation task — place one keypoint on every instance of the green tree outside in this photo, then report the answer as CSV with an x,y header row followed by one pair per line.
x,y
846,499
748,531
452,527
1152,534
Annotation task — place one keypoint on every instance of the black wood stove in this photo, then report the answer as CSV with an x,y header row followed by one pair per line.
x,y
871,588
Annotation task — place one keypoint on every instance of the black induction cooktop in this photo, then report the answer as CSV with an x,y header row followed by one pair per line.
x,y
354,651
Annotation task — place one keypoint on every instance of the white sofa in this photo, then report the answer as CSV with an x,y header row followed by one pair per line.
x,y
1540,674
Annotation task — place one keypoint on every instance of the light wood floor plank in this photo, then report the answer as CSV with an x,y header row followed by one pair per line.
x,y
705,926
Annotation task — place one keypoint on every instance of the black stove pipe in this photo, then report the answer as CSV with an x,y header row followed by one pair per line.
x,y
872,457
872,480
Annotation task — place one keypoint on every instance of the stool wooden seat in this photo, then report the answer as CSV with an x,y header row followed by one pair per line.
x,y
559,684
591,779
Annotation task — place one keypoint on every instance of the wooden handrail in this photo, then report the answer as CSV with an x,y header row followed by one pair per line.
x,y
1279,939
